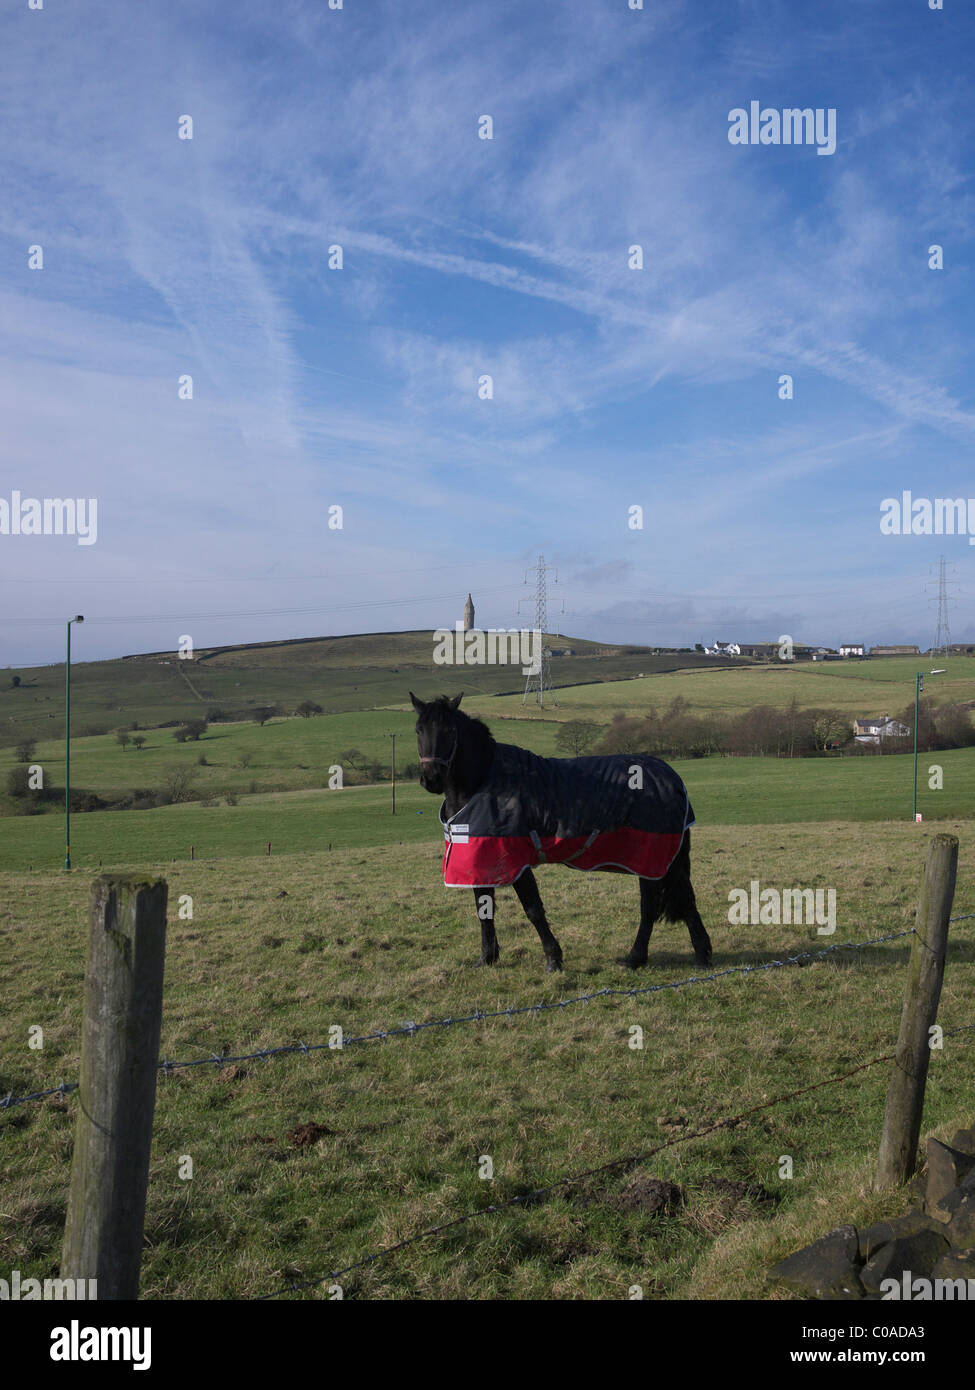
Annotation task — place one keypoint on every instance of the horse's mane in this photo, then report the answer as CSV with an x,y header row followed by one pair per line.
x,y
478,729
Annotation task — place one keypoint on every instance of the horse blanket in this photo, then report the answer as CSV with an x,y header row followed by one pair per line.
x,y
622,813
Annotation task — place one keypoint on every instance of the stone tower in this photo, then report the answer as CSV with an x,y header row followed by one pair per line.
x,y
468,614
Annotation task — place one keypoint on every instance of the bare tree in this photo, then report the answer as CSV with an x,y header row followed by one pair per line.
x,y
577,736
177,783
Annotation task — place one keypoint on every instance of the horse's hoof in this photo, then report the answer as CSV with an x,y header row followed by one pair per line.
x,y
486,960
630,962
703,961
552,965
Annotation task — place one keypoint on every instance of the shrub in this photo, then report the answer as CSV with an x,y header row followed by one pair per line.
x,y
577,736
17,782
177,784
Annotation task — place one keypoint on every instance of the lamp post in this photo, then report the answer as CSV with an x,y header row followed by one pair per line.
x,y
393,737
67,744
918,687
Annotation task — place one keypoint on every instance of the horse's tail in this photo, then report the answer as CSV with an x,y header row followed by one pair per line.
x,y
677,901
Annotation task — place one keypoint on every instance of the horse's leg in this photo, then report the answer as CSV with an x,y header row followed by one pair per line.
x,y
484,903
650,895
680,904
531,901
689,914
699,935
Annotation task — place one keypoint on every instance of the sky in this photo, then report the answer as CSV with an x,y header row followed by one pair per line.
x,y
365,387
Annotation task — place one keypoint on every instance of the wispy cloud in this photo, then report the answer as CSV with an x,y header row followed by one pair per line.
x,y
465,257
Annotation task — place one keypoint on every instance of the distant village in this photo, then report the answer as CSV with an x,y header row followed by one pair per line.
x,y
769,651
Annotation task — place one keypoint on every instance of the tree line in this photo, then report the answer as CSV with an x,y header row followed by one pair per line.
x,y
764,731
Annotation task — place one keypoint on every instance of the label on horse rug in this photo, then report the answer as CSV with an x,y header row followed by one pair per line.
x,y
623,813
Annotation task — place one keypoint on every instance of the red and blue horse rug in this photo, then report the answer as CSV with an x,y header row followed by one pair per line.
x,y
621,813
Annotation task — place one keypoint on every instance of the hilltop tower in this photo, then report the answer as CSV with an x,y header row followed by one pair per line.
x,y
468,614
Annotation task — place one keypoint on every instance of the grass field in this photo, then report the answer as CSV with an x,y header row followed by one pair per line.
x,y
342,674
280,949
858,688
364,935
295,754
724,791
284,755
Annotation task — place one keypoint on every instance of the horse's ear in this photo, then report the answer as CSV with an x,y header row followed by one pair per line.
x,y
418,705
456,700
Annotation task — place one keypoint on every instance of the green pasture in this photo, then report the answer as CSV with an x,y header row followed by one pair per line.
x,y
341,674
283,755
303,1165
882,685
241,758
724,791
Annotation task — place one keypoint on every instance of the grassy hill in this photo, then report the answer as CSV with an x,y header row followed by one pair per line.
x,y
347,922
341,674
859,688
241,759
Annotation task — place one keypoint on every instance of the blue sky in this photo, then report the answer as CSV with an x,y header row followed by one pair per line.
x,y
462,257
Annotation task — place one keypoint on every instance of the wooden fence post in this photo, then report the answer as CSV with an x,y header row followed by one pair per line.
x,y
905,1095
117,1091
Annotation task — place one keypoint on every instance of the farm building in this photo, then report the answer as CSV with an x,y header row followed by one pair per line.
x,y
872,729
895,651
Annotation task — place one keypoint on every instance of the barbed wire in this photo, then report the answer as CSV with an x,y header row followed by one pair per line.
x,y
628,1160
478,1015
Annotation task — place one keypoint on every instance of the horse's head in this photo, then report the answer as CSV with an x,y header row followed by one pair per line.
x,y
438,734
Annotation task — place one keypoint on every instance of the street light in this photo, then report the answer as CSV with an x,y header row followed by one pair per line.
x,y
67,745
918,687
393,737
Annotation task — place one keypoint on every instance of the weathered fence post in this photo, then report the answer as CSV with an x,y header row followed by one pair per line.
x,y
905,1095
117,1091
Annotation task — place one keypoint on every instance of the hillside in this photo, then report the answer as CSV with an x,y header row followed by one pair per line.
x,y
342,674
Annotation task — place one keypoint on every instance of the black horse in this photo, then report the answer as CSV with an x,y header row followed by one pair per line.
x,y
489,782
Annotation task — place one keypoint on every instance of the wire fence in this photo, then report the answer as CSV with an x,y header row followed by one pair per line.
x,y
614,1165
539,1192
410,1028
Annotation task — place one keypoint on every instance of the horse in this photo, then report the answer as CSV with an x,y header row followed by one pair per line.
x,y
619,813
